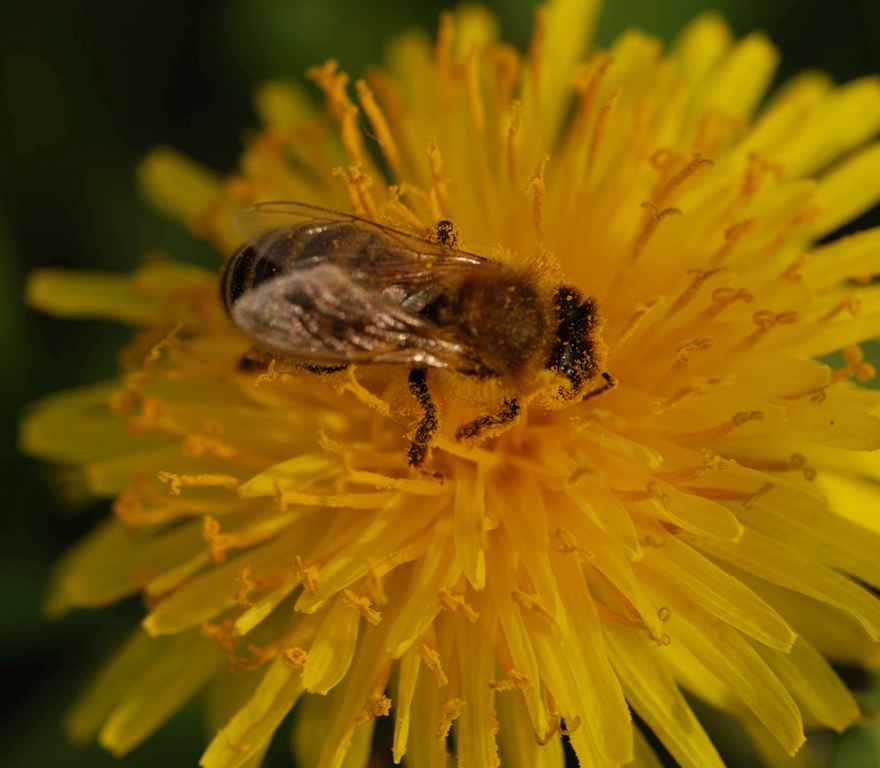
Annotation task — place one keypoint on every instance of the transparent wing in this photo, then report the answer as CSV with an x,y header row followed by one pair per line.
x,y
322,313
257,219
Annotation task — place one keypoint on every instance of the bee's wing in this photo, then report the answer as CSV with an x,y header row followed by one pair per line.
x,y
323,313
262,217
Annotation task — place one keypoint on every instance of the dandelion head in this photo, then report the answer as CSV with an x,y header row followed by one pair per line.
x,y
705,526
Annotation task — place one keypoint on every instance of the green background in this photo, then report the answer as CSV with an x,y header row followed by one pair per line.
x,y
87,89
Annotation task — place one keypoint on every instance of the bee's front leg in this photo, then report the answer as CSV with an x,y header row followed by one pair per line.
x,y
508,413
418,386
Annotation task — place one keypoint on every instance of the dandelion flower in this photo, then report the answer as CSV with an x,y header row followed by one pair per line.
x,y
707,527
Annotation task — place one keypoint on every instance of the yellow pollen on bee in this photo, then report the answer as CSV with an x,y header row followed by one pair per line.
x,y
363,605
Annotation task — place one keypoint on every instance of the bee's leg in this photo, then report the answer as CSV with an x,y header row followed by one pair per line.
x,y
256,360
609,384
322,370
509,411
418,386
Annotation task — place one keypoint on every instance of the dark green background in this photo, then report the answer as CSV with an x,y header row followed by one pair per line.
x,y
87,88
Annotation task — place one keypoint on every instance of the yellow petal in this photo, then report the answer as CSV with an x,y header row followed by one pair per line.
x,y
364,683
645,756
744,77
426,749
308,734
209,594
184,667
569,26
814,684
764,557
846,118
736,663
179,186
332,649
102,295
251,728
406,687
836,634
85,412
656,698
683,569
469,511
475,737
519,747
844,258
98,570
701,45
605,714
854,498
696,514
111,685
850,189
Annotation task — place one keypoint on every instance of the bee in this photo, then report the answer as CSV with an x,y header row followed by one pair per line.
x,y
326,289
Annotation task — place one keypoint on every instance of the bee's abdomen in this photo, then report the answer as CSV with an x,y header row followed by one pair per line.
x,y
236,275
254,264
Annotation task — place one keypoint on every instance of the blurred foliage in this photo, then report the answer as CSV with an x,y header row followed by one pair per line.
x,y
88,88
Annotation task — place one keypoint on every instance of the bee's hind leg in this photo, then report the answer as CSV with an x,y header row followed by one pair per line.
x,y
508,412
418,386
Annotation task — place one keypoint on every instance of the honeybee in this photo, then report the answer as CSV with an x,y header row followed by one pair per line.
x,y
326,289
